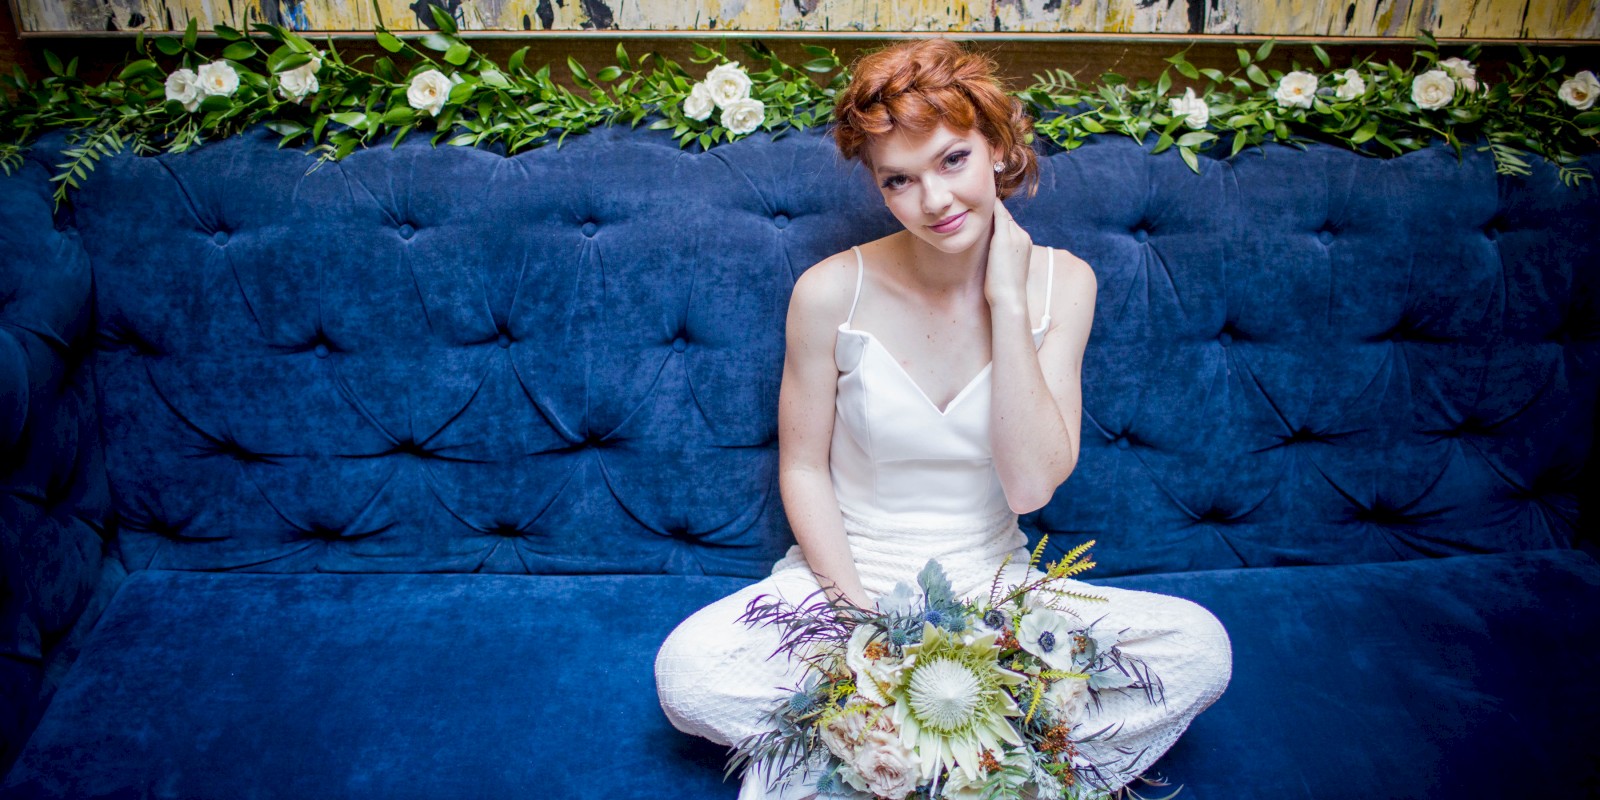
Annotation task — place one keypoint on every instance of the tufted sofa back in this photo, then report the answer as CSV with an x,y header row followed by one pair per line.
x,y
567,361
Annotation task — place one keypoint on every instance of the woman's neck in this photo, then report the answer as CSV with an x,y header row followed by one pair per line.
x,y
936,272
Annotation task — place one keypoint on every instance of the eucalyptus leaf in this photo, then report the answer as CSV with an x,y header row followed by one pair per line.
x,y
935,585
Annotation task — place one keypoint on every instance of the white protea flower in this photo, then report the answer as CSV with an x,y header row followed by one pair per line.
x,y
218,77
1579,91
728,83
1463,71
1433,89
1351,87
296,83
183,85
1193,109
954,702
743,116
699,105
1296,89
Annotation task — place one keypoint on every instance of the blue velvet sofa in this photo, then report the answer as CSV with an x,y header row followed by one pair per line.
x,y
388,479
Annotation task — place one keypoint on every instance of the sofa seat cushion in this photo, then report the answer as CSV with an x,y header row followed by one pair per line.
x,y
252,685
1468,676
1422,678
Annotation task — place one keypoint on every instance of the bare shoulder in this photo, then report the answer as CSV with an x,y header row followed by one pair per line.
x,y
1075,280
825,290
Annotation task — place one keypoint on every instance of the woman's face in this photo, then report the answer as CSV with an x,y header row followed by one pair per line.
x,y
934,178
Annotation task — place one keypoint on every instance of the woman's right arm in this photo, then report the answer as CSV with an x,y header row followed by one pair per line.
x,y
805,427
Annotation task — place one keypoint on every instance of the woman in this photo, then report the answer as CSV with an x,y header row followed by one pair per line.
x,y
930,394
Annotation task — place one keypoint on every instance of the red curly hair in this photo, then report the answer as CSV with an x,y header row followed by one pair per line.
x,y
916,84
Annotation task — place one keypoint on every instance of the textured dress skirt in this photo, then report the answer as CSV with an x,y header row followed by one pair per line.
x,y
715,678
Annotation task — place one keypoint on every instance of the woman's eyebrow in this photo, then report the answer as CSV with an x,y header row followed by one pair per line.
x,y
882,168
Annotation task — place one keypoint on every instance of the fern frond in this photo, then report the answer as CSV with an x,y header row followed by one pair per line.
x,y
1038,694
994,588
1092,598
1038,552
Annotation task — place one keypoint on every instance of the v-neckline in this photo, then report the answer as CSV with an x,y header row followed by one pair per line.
x,y
965,390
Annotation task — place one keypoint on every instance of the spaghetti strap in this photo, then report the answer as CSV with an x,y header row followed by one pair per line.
x,y
861,268
1049,279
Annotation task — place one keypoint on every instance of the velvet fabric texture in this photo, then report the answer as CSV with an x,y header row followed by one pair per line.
x,y
1403,679
418,364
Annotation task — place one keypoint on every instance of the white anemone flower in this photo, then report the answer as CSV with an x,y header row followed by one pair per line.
x,y
1047,633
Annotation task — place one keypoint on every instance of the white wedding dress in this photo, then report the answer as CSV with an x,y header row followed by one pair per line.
x,y
915,483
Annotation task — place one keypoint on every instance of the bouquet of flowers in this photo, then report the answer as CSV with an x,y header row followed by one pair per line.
x,y
931,696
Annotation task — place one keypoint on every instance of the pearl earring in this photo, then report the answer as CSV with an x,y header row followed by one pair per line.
x,y
999,165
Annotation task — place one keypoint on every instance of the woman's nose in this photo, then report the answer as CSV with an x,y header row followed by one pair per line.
x,y
935,196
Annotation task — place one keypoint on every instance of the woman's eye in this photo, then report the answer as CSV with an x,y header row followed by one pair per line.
x,y
958,155
890,182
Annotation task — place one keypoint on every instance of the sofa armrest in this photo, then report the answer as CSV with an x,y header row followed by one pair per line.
x,y
53,499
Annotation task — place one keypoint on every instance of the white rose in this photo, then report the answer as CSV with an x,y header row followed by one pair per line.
x,y
428,91
1352,87
698,105
874,676
743,116
1068,699
1463,71
1193,109
183,86
1577,91
1296,89
886,764
842,733
218,77
295,84
1432,89
728,84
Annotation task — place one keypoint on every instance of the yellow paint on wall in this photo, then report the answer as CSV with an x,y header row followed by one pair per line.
x,y
1555,19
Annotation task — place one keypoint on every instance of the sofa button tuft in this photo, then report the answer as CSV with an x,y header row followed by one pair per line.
x,y
220,237
679,344
1225,339
1326,237
406,231
503,340
781,221
1123,443
589,228
1140,235
321,350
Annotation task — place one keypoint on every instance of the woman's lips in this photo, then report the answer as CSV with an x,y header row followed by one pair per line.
x,y
952,225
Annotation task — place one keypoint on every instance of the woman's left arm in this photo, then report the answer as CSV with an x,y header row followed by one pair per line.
x,y
1037,401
